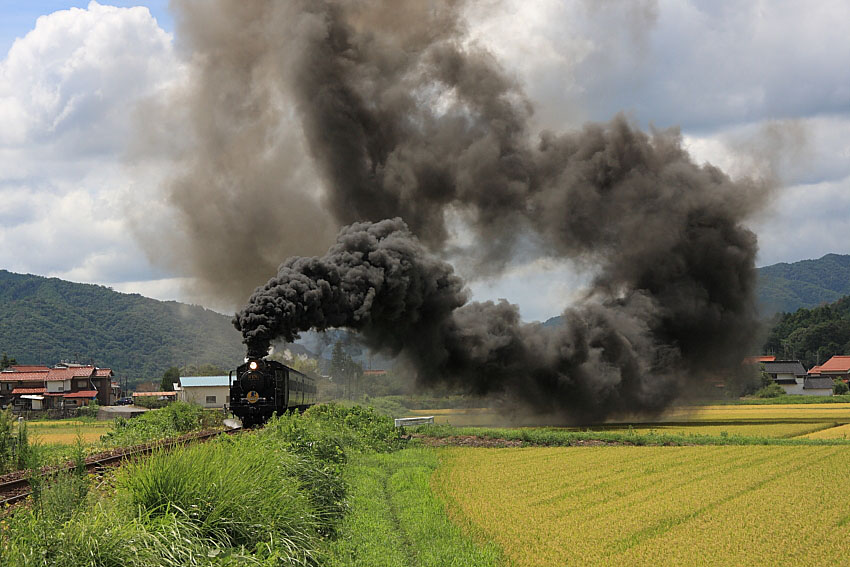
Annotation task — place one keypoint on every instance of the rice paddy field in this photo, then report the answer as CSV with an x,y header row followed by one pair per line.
x,y
66,432
781,500
626,505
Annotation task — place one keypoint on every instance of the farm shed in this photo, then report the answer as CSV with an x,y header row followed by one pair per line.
x,y
206,391
791,375
814,386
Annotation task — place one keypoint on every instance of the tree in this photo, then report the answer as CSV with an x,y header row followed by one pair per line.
x,y
206,369
169,378
346,370
840,387
6,362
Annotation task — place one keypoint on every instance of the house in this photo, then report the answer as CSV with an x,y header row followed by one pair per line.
x,y
66,385
758,359
794,379
206,391
837,367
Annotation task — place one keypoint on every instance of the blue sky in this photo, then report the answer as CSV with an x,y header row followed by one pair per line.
x,y
755,87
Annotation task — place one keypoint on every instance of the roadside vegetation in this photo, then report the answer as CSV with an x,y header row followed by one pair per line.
x,y
173,420
305,490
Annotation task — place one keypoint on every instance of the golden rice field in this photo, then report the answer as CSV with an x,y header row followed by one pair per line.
x,y
651,506
696,415
840,432
66,432
776,430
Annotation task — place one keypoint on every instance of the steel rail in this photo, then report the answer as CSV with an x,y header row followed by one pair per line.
x,y
18,485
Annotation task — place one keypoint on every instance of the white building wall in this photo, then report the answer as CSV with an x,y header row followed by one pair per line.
x,y
794,389
199,394
817,392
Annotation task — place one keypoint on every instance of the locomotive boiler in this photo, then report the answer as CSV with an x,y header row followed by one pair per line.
x,y
264,387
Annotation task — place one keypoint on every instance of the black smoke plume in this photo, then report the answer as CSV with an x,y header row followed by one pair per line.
x,y
399,116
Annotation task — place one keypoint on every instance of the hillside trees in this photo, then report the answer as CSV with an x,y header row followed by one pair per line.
x,y
812,335
169,378
6,362
45,320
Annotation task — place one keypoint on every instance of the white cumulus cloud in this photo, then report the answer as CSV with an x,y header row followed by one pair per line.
x,y
68,90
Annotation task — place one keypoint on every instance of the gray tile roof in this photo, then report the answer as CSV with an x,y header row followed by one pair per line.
x,y
785,367
817,383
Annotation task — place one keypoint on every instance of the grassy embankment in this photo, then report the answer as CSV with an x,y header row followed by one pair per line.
x,y
56,441
397,521
278,496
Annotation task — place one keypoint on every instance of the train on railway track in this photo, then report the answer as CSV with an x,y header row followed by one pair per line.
x,y
263,387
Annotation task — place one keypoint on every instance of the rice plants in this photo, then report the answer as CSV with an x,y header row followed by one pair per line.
x,y
654,505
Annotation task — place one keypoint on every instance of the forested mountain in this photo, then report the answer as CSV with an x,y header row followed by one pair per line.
x,y
45,320
812,335
784,288
808,283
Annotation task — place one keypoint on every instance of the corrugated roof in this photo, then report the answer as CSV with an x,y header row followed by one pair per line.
x,y
836,364
144,394
817,383
785,367
195,381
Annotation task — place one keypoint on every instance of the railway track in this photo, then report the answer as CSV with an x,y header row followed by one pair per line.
x,y
17,489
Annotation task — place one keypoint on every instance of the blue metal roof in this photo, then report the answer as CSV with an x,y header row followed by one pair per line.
x,y
191,381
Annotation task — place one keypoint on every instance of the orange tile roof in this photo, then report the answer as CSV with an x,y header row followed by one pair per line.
x,y
81,394
68,373
29,368
836,364
757,359
814,370
28,391
103,372
34,376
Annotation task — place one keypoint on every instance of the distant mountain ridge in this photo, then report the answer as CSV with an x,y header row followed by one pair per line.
x,y
807,283
45,320
788,287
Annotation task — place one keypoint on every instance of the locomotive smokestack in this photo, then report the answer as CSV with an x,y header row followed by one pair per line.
x,y
393,114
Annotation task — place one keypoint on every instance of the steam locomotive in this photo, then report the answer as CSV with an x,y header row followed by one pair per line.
x,y
263,387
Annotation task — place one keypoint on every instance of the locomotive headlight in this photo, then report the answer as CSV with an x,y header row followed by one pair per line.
x,y
253,365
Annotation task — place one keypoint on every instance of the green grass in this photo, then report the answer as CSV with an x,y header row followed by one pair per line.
x,y
842,399
563,437
266,499
396,521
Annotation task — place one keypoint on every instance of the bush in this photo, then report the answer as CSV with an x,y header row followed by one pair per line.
x,y
772,391
90,410
839,387
233,491
150,402
171,421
